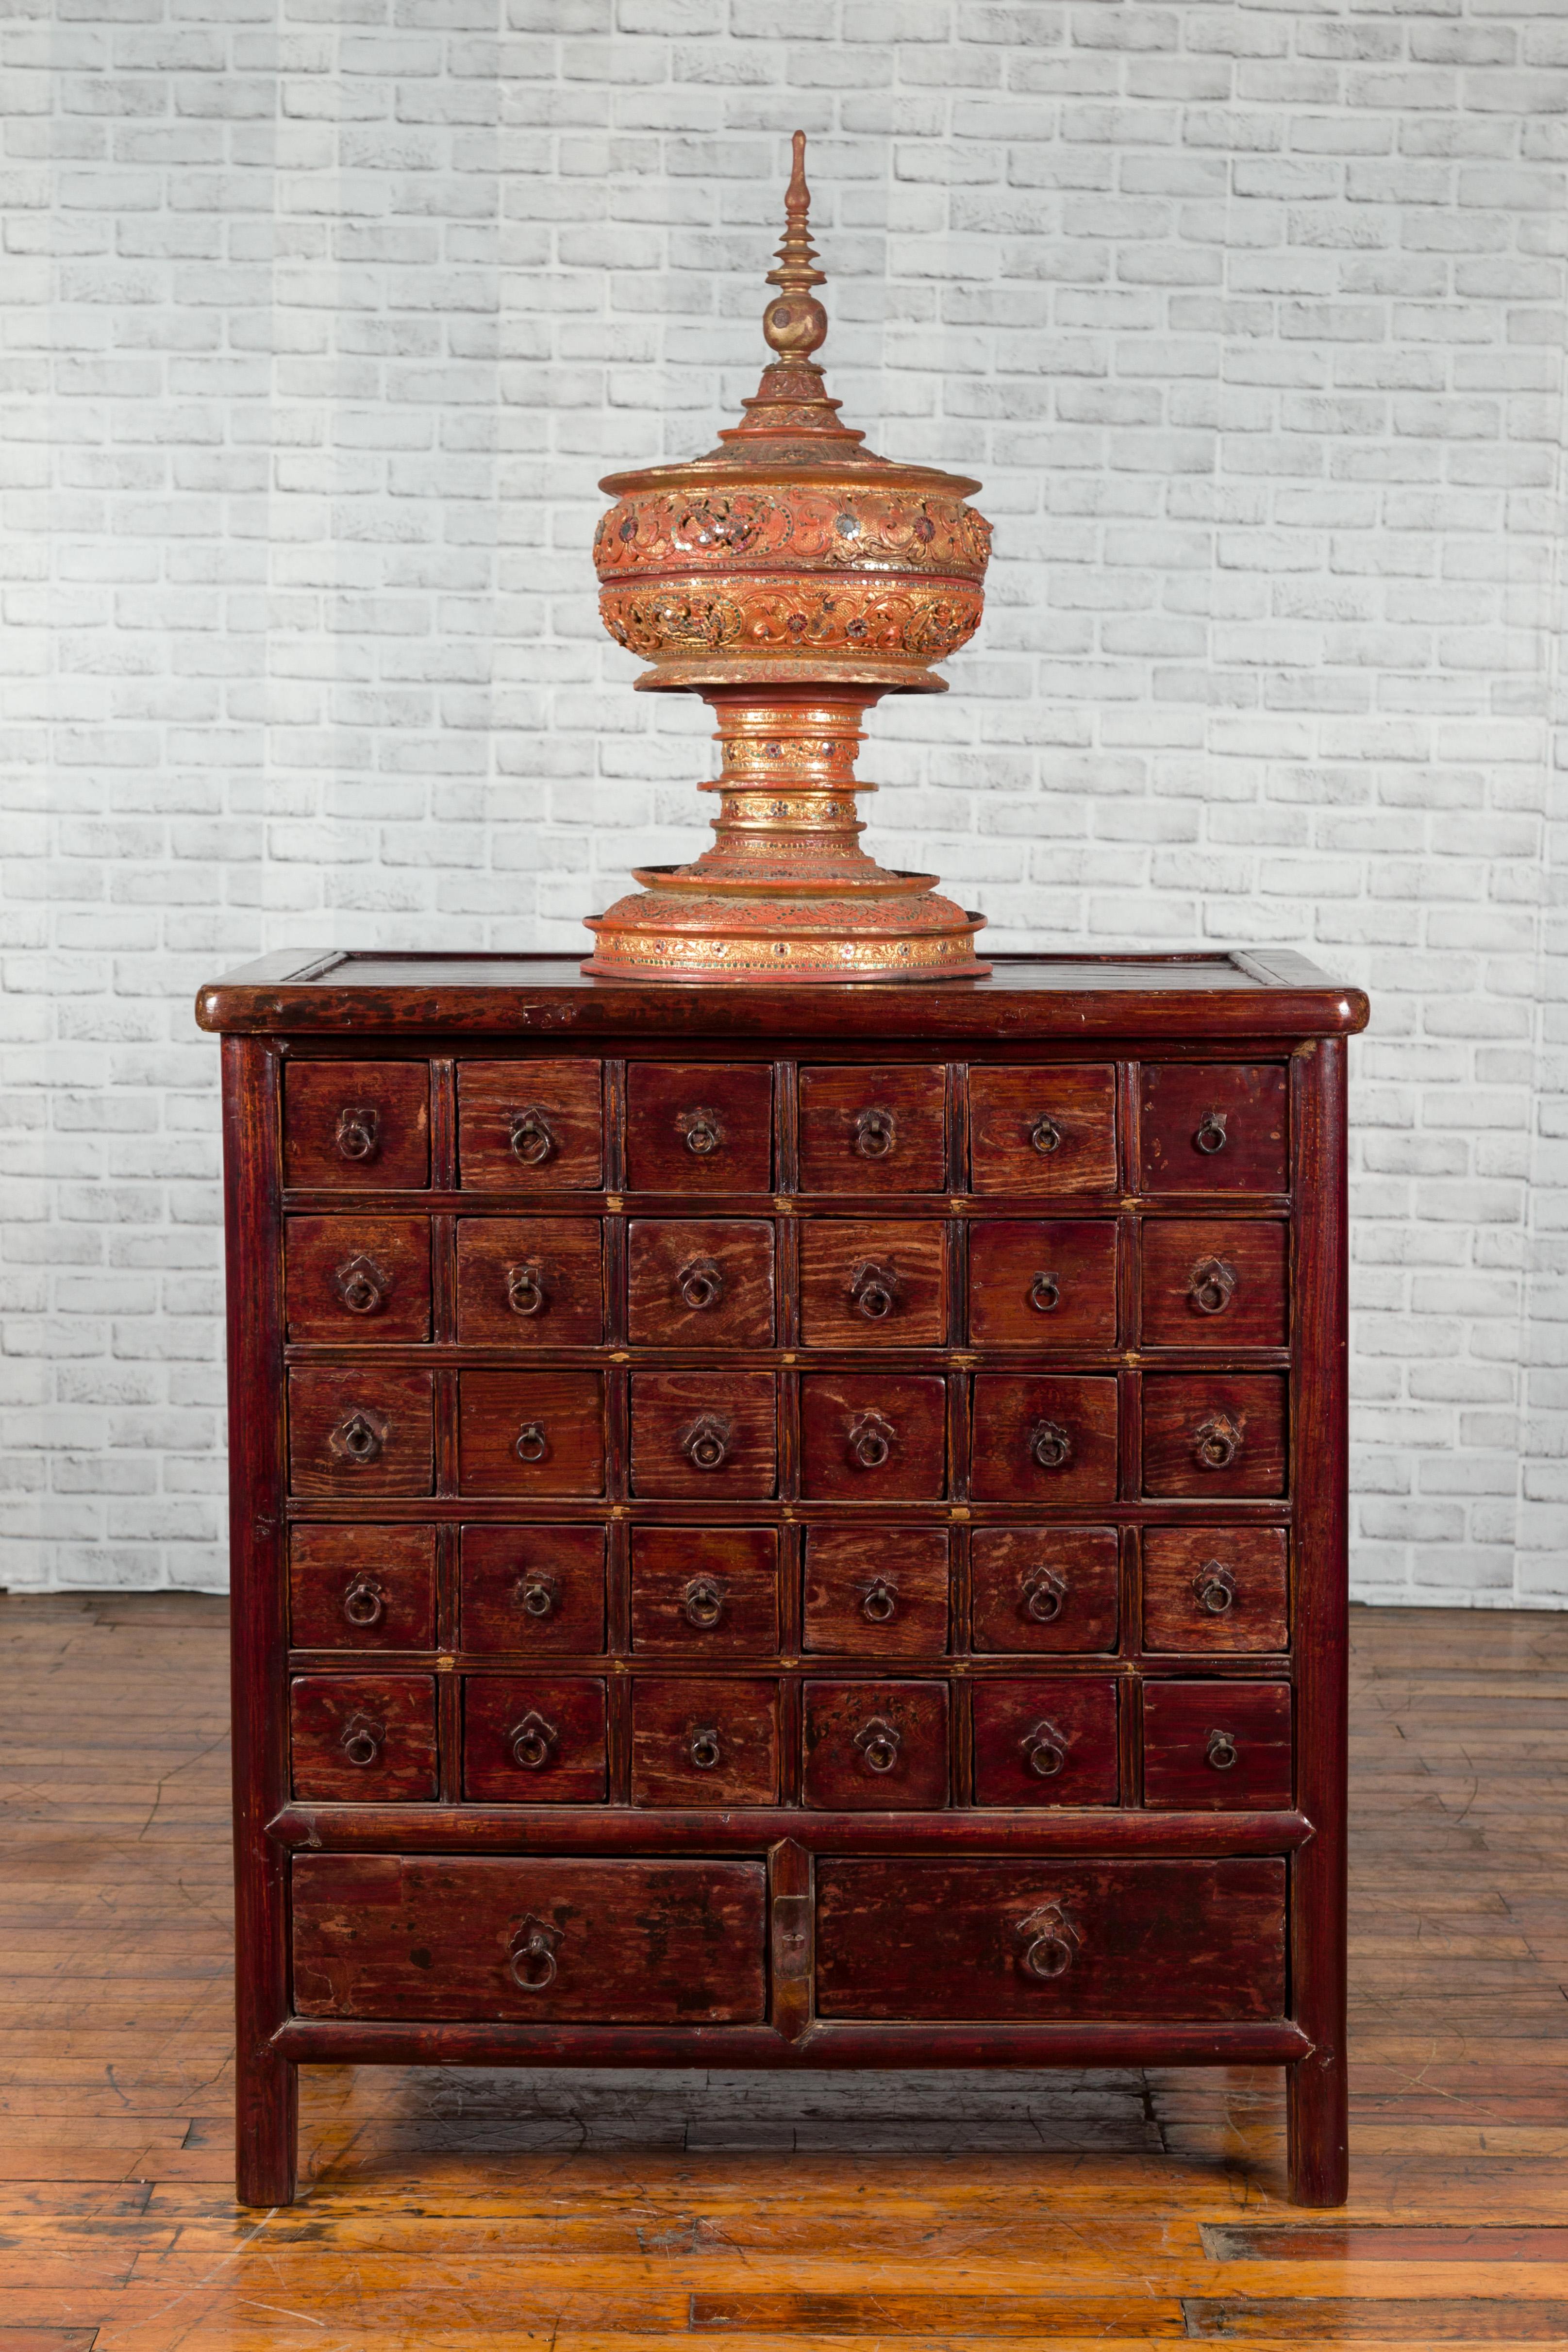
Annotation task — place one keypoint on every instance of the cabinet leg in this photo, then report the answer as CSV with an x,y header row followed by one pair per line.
x,y
1318,2129
267,2118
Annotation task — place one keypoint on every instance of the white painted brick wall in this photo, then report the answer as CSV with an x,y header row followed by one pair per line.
x,y
322,319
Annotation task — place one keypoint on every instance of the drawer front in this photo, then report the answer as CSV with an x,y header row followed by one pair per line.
x,y
1043,1282
1020,1942
700,1127
1221,1589
700,1282
365,1736
531,1741
1214,1282
1043,1130
873,1131
1045,1742
357,1125
865,1285
711,1592
1044,1587
1219,1746
361,1587
531,1282
357,1278
876,1746
365,1432
531,1432
713,1742
530,1127
539,1590
1214,1433
870,1437
877,1592
1214,1127
1043,1441
534,1940
709,1433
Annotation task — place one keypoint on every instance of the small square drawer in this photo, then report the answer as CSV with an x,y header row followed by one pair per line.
x,y
1049,1130
530,1127
1043,1282
872,1284
713,1742
1214,1433
700,1282
361,1587
366,1737
533,1589
877,1592
531,1282
1220,1747
357,1125
357,1278
709,1433
1053,1588
1214,1127
1214,1282
533,1742
873,1437
713,1591
700,1127
364,1432
1043,1440
873,1131
531,1432
1221,1589
876,1746
1044,1742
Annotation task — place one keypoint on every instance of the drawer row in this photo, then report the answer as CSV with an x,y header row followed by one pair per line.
x,y
556,1125
534,1283
720,1592
540,1940
369,1431
888,1746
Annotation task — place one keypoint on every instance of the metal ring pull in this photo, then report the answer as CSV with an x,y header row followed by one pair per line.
x,y
1212,1285
1049,1446
1044,1750
1043,1595
1045,1294
705,1442
1049,1941
362,1740
870,1442
875,1291
357,1438
537,1596
876,1133
880,1601
701,1282
702,1602
364,1603
703,1747
533,1955
1215,1589
703,1130
1211,1136
531,1445
361,1285
525,1291
1046,1134
1217,1442
532,1741
359,1132
1222,1752
531,1136
878,1743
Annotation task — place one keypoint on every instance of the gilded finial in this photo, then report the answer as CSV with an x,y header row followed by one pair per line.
x,y
796,324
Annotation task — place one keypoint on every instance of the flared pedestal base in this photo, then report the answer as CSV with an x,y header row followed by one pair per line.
x,y
762,941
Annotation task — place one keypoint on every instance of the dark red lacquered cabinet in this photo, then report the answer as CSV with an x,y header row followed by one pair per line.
x,y
788,1529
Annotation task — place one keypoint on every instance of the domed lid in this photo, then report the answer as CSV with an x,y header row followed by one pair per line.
x,y
792,428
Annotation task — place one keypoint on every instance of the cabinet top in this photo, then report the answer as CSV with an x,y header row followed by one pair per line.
x,y
1274,993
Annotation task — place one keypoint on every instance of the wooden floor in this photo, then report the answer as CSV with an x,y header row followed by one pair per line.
x,y
839,2213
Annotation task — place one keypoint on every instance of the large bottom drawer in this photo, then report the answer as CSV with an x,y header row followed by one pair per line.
x,y
1016,1943
616,1943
